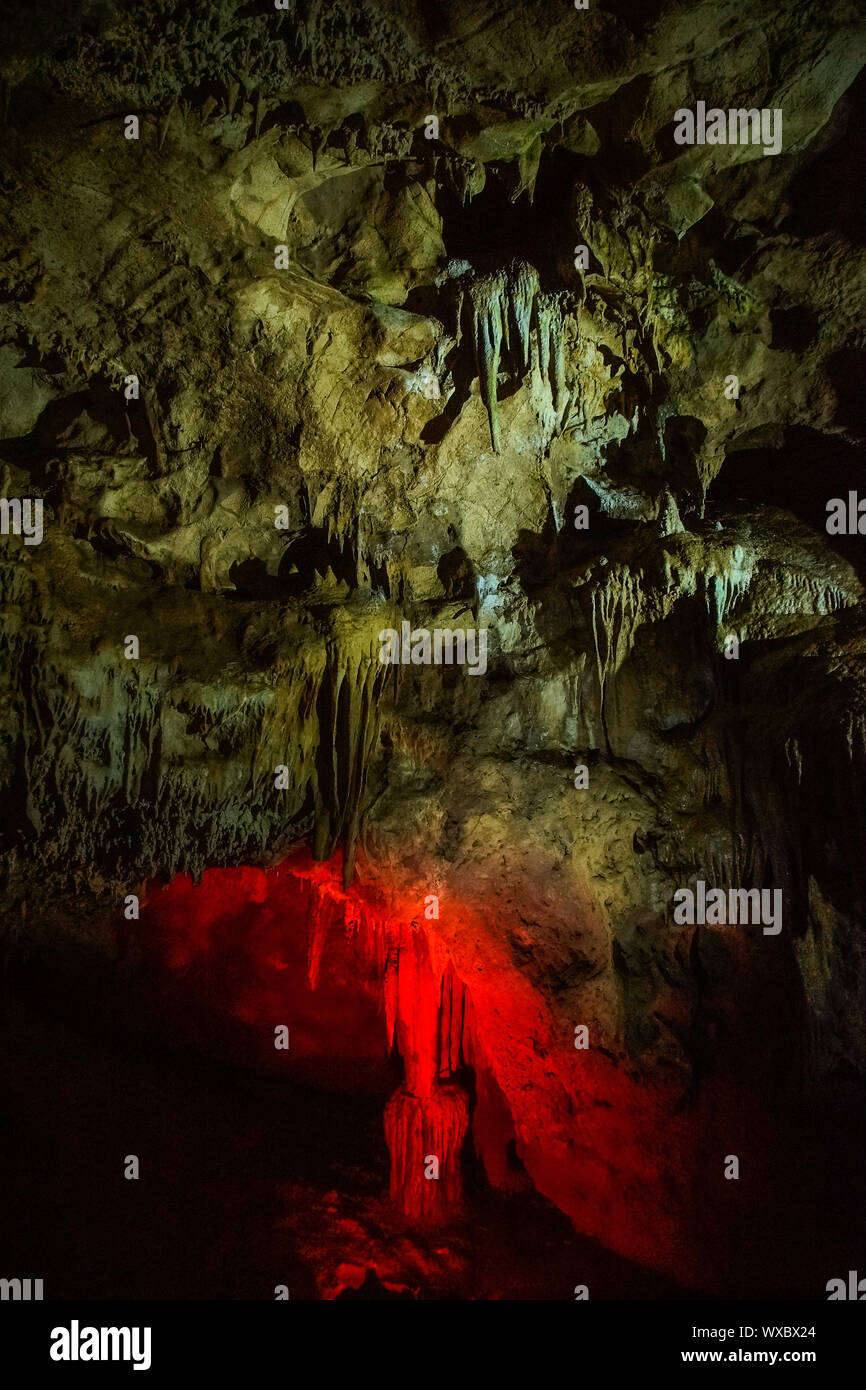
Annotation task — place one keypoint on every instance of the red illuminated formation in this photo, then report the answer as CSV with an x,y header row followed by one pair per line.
x,y
289,945
426,1121
485,1057
298,932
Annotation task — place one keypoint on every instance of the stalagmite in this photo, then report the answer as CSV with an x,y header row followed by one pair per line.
x,y
426,1121
426,1015
425,1135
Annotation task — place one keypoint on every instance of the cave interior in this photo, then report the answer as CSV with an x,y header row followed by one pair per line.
x,y
332,975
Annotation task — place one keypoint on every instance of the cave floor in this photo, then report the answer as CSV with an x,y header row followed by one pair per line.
x,y
245,1184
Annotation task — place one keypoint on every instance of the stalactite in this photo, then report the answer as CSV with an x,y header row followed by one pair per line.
x,y
99,742
524,290
724,588
319,919
452,1017
527,166
348,710
544,309
510,302
558,375
489,306
617,608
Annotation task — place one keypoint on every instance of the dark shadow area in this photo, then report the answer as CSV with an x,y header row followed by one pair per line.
x,y
246,1182
684,437
493,228
456,574
825,195
794,328
800,476
847,371
305,562
98,420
